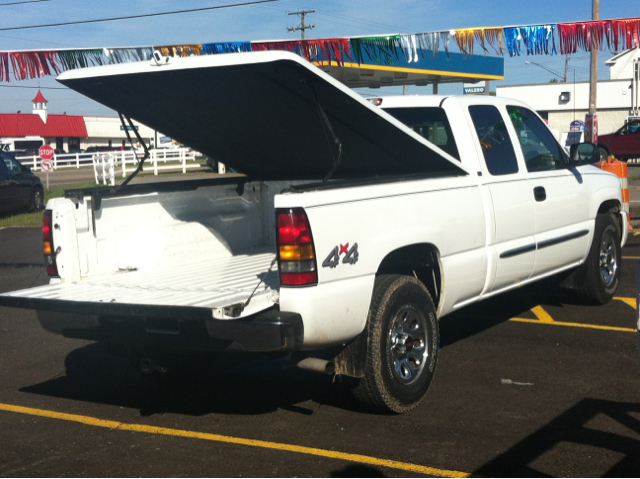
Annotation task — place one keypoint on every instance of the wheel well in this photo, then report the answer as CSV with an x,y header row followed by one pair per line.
x,y
604,147
419,260
612,206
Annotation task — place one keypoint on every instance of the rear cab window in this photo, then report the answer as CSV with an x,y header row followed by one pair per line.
x,y
429,122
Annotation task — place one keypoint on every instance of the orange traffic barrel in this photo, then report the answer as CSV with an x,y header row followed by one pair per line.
x,y
619,169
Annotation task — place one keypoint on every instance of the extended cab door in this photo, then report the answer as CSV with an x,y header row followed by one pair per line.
x,y
560,196
511,243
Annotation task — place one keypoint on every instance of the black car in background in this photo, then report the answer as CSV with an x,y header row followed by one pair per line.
x,y
20,189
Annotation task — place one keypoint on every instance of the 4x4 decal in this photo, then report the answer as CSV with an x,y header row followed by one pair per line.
x,y
351,256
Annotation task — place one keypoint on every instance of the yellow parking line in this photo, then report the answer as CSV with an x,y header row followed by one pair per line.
x,y
630,301
631,257
574,325
91,421
542,315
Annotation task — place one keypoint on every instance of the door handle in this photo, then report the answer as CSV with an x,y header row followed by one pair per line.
x,y
539,193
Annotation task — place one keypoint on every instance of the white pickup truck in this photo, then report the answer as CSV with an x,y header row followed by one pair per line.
x,y
356,225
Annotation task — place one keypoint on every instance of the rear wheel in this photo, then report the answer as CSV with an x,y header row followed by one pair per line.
x,y
603,263
402,345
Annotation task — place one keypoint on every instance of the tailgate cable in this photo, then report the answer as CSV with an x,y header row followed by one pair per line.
x,y
146,150
246,303
326,125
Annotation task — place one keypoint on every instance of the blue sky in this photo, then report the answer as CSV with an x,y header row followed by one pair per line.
x,y
269,21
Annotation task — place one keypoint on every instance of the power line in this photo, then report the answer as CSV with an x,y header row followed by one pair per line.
x,y
145,15
38,87
20,3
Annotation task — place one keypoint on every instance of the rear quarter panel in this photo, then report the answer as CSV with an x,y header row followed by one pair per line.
x,y
447,213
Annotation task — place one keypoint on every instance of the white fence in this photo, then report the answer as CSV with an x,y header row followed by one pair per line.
x,y
124,161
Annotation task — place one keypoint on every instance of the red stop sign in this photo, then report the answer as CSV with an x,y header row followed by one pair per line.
x,y
46,152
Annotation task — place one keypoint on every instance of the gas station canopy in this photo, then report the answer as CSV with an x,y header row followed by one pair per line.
x,y
425,70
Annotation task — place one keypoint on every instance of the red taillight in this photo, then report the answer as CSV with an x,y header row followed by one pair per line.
x,y
47,244
375,101
293,228
296,255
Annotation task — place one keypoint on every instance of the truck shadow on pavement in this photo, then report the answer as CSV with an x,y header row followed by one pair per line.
x,y
612,429
229,386
240,384
479,317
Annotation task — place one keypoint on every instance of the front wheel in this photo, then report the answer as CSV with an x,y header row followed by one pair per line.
x,y
37,199
402,345
603,262
604,153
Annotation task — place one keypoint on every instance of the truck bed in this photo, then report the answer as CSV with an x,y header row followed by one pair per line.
x,y
213,284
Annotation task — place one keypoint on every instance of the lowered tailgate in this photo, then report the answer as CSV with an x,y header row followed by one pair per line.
x,y
214,289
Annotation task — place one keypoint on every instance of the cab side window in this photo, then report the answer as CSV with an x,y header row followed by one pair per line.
x,y
540,149
495,142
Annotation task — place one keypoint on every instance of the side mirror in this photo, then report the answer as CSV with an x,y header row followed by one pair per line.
x,y
584,154
25,168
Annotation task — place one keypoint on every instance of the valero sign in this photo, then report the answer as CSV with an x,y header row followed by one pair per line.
x,y
477,88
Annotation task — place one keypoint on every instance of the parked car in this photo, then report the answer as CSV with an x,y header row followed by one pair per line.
x,y
20,189
624,144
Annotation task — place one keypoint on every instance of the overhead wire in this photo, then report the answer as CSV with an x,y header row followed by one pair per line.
x,y
24,1
144,15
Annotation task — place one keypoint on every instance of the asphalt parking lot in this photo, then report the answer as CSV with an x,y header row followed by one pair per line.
x,y
531,383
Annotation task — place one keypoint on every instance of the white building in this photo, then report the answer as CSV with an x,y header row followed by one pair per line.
x,y
108,131
561,103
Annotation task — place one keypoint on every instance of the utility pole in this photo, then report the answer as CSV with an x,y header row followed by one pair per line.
x,y
566,68
302,27
591,133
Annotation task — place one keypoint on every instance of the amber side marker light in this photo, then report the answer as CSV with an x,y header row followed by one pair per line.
x,y
296,255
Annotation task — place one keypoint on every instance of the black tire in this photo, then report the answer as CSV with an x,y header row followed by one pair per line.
x,y
604,153
603,264
37,199
402,320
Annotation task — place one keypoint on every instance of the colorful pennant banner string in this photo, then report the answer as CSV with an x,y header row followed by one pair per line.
x,y
126,55
315,51
415,45
229,47
179,50
625,34
466,38
33,64
537,39
382,50
614,34
71,59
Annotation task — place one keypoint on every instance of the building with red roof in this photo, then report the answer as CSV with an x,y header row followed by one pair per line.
x,y
64,132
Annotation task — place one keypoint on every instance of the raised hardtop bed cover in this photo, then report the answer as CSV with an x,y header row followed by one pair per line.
x,y
212,289
265,114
